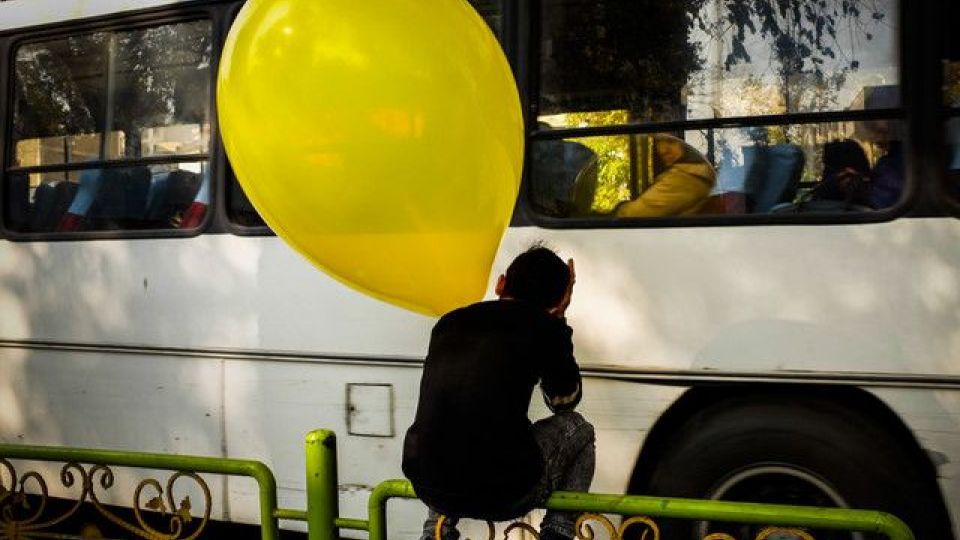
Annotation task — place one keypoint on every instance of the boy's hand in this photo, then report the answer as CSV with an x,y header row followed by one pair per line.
x,y
560,309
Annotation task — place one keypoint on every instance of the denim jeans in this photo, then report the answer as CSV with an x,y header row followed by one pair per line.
x,y
566,440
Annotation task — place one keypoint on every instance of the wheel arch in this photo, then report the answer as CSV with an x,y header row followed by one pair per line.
x,y
656,443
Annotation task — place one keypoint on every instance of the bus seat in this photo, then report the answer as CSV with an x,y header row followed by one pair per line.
x,y
108,201
136,188
170,193
51,201
567,173
76,215
156,196
65,192
195,213
773,175
16,198
728,202
585,186
122,198
182,189
42,212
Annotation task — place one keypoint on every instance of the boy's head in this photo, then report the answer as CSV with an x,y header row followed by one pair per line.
x,y
537,276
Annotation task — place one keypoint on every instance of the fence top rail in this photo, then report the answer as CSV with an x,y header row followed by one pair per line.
x,y
122,458
693,509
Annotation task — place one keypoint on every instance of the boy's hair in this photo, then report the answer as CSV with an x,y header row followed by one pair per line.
x,y
537,276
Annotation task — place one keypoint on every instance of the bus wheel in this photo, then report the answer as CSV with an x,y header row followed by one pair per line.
x,y
794,450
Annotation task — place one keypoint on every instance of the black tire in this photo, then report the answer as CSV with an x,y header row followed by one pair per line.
x,y
795,450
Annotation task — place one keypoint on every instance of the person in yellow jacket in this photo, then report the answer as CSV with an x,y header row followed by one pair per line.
x,y
682,181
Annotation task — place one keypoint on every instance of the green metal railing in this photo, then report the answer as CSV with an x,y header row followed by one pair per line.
x,y
691,509
321,514
101,460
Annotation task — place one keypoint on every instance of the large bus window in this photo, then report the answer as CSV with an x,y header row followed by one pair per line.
x,y
618,66
824,167
109,130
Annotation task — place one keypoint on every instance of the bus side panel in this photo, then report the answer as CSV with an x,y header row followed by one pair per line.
x,y
876,298
212,291
270,406
933,416
134,402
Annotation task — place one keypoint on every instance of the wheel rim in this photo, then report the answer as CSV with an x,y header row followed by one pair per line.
x,y
780,484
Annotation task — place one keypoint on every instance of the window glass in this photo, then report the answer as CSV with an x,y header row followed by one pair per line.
x,y
59,101
162,90
239,208
132,98
169,196
721,64
492,13
668,60
951,93
825,167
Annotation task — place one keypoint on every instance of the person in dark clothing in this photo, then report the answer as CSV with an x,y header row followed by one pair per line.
x,y
846,173
886,178
472,451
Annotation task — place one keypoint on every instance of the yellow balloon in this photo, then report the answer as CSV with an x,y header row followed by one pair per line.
x,y
382,139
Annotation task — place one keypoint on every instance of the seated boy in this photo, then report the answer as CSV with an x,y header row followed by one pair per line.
x,y
472,451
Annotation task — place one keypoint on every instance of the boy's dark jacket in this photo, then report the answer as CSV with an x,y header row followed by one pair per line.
x,y
470,451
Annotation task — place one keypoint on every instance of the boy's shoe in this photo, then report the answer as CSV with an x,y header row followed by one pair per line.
x,y
551,535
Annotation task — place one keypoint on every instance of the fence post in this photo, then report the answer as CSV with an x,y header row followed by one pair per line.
x,y
322,497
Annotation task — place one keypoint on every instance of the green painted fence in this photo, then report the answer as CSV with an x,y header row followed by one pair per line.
x,y
322,513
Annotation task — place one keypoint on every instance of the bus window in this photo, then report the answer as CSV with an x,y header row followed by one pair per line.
x,y
109,130
746,91
769,169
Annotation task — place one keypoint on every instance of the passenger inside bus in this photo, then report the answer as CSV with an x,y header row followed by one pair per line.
x,y
846,174
883,138
682,181
886,178
849,184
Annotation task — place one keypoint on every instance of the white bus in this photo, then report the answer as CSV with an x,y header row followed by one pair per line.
x,y
792,337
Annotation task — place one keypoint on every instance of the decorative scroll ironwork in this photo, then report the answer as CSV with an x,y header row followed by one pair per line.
x,y
24,500
769,533
644,526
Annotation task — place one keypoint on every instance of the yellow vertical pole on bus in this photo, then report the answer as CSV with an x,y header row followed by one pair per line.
x,y
322,497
